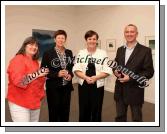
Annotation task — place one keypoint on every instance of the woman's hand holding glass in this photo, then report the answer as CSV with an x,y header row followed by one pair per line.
x,y
43,71
64,73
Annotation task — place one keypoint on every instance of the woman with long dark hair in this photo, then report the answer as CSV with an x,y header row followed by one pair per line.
x,y
26,83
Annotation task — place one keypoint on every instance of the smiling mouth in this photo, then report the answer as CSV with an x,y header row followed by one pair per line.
x,y
34,50
129,37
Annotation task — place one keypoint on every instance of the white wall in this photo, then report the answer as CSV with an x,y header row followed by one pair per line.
x,y
108,21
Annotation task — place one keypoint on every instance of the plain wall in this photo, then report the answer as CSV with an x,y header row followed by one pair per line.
x,y
107,21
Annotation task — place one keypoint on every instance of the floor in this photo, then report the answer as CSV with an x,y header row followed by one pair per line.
x,y
108,112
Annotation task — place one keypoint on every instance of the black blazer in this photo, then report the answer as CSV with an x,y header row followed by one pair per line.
x,y
51,60
141,63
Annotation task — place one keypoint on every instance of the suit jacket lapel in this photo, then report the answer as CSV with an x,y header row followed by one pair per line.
x,y
123,56
133,54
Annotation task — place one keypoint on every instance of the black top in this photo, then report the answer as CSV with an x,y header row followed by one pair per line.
x,y
51,60
90,71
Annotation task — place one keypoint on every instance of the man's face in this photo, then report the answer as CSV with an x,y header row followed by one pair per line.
x,y
130,34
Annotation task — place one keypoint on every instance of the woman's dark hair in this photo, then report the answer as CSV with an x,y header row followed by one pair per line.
x,y
60,32
90,33
29,40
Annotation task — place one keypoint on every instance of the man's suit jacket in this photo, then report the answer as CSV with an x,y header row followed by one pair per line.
x,y
141,63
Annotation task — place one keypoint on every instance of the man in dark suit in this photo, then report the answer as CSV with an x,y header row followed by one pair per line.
x,y
134,63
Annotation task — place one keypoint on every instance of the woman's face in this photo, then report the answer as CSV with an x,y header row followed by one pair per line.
x,y
60,40
91,41
31,49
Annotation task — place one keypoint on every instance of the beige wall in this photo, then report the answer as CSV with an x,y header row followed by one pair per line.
x,y
108,21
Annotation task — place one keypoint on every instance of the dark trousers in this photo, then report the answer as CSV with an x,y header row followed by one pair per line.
x,y
90,103
121,110
58,104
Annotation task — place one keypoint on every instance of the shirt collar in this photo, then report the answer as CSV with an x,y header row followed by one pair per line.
x,y
125,46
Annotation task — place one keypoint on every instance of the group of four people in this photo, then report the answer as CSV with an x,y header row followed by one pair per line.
x,y
27,79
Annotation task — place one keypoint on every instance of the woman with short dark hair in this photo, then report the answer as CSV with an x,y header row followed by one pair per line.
x,y
59,79
91,70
